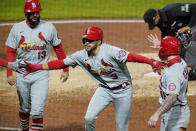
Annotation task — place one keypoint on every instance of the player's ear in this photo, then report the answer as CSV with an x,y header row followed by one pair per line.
x,y
100,42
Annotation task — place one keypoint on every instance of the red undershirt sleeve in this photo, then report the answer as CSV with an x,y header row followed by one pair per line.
x,y
56,64
60,53
138,58
10,57
3,63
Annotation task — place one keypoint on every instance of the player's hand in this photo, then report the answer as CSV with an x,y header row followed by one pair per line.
x,y
154,40
153,120
64,76
183,29
157,66
29,68
11,80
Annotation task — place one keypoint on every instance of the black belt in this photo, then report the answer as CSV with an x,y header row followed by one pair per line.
x,y
117,87
179,105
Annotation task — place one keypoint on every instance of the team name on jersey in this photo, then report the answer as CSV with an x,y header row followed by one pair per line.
x,y
27,47
107,70
34,47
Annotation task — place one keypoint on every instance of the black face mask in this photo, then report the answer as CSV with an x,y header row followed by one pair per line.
x,y
32,23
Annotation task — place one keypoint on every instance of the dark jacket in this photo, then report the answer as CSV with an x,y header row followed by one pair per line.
x,y
175,16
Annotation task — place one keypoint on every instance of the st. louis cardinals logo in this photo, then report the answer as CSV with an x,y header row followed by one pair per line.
x,y
26,47
106,70
33,5
172,87
122,53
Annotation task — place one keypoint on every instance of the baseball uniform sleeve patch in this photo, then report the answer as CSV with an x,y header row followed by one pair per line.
x,y
122,53
172,87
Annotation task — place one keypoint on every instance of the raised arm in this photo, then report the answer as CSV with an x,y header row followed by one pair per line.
x,y
154,40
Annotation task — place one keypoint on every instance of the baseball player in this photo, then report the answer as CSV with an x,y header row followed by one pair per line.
x,y
106,64
31,40
175,18
174,110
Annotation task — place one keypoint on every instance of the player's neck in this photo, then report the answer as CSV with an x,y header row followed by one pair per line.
x,y
96,51
31,25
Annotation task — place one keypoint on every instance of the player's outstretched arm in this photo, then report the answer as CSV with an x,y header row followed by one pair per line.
x,y
157,66
51,65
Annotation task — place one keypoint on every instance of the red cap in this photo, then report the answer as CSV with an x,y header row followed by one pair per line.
x,y
93,33
32,6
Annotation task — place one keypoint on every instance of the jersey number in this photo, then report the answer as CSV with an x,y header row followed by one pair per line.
x,y
41,55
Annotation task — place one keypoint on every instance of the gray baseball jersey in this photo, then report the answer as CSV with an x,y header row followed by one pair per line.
x,y
33,45
174,80
109,69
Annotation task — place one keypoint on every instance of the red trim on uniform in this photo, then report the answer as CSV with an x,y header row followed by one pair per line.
x,y
37,124
138,58
24,120
10,57
60,53
24,116
174,61
56,64
3,63
37,120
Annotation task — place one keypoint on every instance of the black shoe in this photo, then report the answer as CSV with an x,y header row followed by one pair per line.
x,y
192,75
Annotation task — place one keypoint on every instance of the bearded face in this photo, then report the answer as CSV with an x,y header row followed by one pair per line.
x,y
33,19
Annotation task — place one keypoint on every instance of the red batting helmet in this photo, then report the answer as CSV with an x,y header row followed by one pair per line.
x,y
93,33
169,46
32,6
